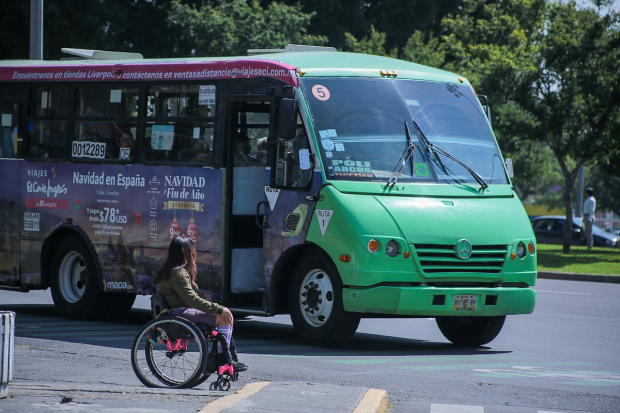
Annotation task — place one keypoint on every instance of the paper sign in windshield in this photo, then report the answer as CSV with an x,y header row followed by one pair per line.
x,y
320,92
162,137
328,144
421,169
206,95
352,168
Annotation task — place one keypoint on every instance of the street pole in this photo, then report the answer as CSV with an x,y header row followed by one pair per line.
x,y
578,212
36,29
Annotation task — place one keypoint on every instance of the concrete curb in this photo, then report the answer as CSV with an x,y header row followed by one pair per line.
x,y
374,401
579,277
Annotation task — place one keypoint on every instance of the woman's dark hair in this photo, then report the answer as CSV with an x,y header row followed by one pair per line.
x,y
181,254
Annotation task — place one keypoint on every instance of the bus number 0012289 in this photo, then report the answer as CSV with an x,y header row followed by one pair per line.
x,y
94,150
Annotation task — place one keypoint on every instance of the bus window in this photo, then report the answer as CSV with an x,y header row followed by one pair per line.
x,y
171,135
47,123
106,141
9,129
112,101
113,139
181,101
46,139
294,160
179,142
50,101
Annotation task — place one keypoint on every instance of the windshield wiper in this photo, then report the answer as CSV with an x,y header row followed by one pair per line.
x,y
431,148
407,156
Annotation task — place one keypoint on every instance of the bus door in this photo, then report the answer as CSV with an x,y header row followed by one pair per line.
x,y
247,124
9,200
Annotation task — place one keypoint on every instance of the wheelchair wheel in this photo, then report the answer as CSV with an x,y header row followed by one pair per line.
x,y
169,352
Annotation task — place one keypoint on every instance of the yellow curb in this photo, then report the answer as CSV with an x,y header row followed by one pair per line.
x,y
374,401
227,401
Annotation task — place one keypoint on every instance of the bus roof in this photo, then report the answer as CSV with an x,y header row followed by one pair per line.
x,y
284,66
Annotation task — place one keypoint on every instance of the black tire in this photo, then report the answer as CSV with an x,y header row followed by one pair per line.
x,y
74,281
318,316
156,366
470,331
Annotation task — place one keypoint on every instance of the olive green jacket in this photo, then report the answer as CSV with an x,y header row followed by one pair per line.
x,y
178,292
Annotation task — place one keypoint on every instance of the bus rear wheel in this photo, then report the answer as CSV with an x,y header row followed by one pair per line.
x,y
74,281
470,331
315,303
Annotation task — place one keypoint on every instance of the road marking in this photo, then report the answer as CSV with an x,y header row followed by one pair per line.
x,y
453,408
478,367
560,292
423,359
230,400
575,377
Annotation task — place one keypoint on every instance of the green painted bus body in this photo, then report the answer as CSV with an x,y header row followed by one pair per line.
x,y
417,215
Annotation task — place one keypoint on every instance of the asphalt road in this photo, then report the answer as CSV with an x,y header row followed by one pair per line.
x,y
563,358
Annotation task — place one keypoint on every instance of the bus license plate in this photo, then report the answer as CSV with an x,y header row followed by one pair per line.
x,y
464,302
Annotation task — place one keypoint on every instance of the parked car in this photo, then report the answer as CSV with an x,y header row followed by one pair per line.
x,y
549,229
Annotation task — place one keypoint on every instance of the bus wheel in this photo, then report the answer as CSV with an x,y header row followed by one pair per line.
x,y
470,331
315,303
74,281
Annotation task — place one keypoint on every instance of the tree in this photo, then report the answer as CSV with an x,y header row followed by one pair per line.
x,y
551,71
132,26
372,44
232,27
395,19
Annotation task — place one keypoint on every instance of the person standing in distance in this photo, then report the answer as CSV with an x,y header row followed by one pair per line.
x,y
589,206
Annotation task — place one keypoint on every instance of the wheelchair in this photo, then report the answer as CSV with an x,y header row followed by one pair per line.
x,y
173,352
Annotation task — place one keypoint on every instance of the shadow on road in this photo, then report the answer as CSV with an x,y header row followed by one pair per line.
x,y
252,336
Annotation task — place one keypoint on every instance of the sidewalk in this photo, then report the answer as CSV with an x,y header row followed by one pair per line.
x,y
570,276
267,397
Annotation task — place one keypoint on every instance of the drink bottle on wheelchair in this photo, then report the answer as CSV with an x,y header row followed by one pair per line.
x,y
173,352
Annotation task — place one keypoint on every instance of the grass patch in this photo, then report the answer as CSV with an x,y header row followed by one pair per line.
x,y
604,261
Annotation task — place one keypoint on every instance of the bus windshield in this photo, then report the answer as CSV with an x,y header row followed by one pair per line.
x,y
360,126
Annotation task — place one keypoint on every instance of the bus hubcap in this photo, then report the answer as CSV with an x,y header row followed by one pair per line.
x,y
316,298
72,277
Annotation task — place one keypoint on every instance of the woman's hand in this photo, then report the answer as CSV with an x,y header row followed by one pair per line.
x,y
227,316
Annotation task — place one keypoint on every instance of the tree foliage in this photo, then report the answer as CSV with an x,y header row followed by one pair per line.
x,y
232,27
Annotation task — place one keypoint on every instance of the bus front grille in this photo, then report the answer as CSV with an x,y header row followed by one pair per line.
x,y
438,258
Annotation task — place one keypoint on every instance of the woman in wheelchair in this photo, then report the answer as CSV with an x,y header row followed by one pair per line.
x,y
176,282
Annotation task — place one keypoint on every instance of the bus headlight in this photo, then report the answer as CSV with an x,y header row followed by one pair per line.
x,y
391,248
521,250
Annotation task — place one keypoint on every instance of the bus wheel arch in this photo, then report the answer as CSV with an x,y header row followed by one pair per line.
x,y
281,277
74,278
316,304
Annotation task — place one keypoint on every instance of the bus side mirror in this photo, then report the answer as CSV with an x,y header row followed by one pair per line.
x,y
484,101
287,119
511,172
487,110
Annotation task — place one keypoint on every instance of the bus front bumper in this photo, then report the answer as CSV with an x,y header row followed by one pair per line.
x,y
438,301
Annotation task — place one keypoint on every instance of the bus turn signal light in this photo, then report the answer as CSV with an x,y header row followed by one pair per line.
x,y
513,256
406,254
531,248
373,246
345,258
